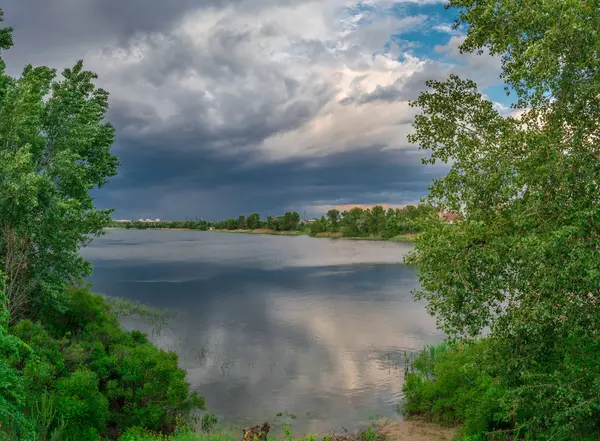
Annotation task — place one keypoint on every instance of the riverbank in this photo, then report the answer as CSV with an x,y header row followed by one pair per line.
x,y
387,430
327,235
264,231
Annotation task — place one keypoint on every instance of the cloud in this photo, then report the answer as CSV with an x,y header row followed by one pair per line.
x,y
241,105
446,28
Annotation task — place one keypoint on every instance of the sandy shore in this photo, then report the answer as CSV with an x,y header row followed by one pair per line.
x,y
416,430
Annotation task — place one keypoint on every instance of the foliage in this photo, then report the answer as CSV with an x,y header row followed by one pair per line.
x,y
357,222
13,423
524,260
448,384
54,149
87,379
549,49
137,434
209,421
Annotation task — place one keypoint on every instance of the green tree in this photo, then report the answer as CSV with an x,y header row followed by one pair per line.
x,y
54,149
291,219
253,221
524,261
240,223
333,217
318,226
351,221
231,224
376,219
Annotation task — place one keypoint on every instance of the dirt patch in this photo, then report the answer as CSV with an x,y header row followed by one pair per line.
x,y
416,430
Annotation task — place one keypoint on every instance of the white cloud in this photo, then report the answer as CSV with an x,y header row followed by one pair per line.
x,y
271,80
446,28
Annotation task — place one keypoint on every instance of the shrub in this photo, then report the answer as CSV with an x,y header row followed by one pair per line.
x,y
13,423
80,402
450,383
470,384
97,380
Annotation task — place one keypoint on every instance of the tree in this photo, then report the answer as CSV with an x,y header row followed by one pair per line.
x,y
376,219
318,226
231,224
241,222
524,260
333,216
291,219
54,149
351,220
253,221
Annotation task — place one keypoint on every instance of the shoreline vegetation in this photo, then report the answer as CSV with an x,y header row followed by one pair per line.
x,y
327,235
376,223
408,237
412,429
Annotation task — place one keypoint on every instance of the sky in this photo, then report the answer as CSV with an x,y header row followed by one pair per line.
x,y
227,107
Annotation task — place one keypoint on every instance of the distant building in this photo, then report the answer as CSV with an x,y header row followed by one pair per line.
x,y
308,221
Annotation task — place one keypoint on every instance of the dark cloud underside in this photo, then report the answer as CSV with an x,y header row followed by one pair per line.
x,y
228,107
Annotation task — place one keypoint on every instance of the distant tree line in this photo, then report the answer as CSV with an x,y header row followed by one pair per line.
x,y
376,221
356,222
290,221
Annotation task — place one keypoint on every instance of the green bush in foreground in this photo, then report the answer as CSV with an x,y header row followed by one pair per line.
x,y
468,384
82,378
448,384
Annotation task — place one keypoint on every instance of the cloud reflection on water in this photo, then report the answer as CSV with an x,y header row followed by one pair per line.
x,y
321,341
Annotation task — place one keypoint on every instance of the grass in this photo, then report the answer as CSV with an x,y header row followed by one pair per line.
x,y
379,429
368,434
182,436
403,238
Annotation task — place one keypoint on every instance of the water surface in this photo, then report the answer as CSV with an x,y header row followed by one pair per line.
x,y
315,328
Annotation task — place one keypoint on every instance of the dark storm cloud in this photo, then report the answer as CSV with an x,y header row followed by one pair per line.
x,y
253,98
46,25
192,111
51,31
229,186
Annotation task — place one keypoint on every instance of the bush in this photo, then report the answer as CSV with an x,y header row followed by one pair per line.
x,y
450,383
470,384
91,379
80,402
13,422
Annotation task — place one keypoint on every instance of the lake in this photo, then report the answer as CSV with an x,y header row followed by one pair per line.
x,y
313,329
